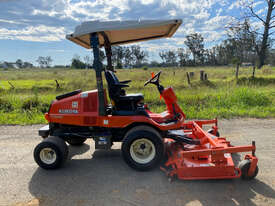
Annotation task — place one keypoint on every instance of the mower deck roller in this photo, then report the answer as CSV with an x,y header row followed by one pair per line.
x,y
146,136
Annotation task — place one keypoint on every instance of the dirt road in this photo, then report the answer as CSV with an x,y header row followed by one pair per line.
x,y
102,178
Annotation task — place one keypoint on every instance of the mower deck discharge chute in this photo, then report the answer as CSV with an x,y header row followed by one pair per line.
x,y
146,137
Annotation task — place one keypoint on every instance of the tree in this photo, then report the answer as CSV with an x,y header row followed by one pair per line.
x,y
169,58
44,62
27,65
88,61
128,58
48,61
210,57
268,22
118,55
243,42
183,56
19,63
154,64
77,63
41,61
138,54
195,43
163,57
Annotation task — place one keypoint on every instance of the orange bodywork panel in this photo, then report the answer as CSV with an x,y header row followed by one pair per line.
x,y
82,110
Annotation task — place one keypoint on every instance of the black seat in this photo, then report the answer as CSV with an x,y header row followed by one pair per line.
x,y
118,95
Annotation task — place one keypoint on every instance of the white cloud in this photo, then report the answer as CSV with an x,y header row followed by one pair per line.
x,y
219,11
172,13
243,3
83,10
8,21
213,36
203,14
48,13
40,33
261,11
146,2
255,4
237,4
217,22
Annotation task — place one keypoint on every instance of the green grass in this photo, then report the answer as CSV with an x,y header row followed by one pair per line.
x,y
222,96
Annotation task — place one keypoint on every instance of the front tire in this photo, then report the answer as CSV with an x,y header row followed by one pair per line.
x,y
142,148
51,153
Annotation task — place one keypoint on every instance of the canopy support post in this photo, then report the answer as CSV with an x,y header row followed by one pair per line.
x,y
108,51
98,69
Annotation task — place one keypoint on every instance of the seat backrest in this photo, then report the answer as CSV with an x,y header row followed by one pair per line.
x,y
112,80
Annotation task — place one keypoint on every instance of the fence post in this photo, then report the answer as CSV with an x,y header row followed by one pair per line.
x,y
201,75
253,73
205,77
188,78
11,85
237,71
57,84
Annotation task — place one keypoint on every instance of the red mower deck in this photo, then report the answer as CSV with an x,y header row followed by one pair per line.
x,y
209,159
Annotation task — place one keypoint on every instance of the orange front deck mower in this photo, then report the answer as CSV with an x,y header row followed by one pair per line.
x,y
206,156
147,137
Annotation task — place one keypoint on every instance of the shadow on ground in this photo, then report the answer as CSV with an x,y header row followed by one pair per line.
x,y
104,179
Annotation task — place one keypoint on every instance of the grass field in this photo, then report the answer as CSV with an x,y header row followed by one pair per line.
x,y
221,96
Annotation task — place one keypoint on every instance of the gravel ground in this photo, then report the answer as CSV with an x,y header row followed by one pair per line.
x,y
92,177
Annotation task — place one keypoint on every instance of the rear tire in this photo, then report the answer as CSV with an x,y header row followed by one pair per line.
x,y
142,148
244,167
51,153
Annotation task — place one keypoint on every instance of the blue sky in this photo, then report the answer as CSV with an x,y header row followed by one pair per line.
x,y
32,28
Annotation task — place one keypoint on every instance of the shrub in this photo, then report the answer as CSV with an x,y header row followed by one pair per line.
x,y
31,103
5,106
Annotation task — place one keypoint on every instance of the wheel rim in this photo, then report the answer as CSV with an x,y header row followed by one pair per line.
x,y
142,151
48,155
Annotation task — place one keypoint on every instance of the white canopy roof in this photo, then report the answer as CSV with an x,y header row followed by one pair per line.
x,y
122,32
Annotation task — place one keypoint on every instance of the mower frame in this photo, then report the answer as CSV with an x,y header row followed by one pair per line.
x,y
192,153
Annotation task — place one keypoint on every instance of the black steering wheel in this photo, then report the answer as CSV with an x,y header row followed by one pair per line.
x,y
154,80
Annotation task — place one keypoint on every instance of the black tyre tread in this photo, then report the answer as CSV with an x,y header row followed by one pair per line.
x,y
58,145
211,132
60,142
153,136
145,128
244,167
76,141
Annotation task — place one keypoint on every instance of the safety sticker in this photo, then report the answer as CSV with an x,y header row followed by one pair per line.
x,y
105,121
74,104
84,94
